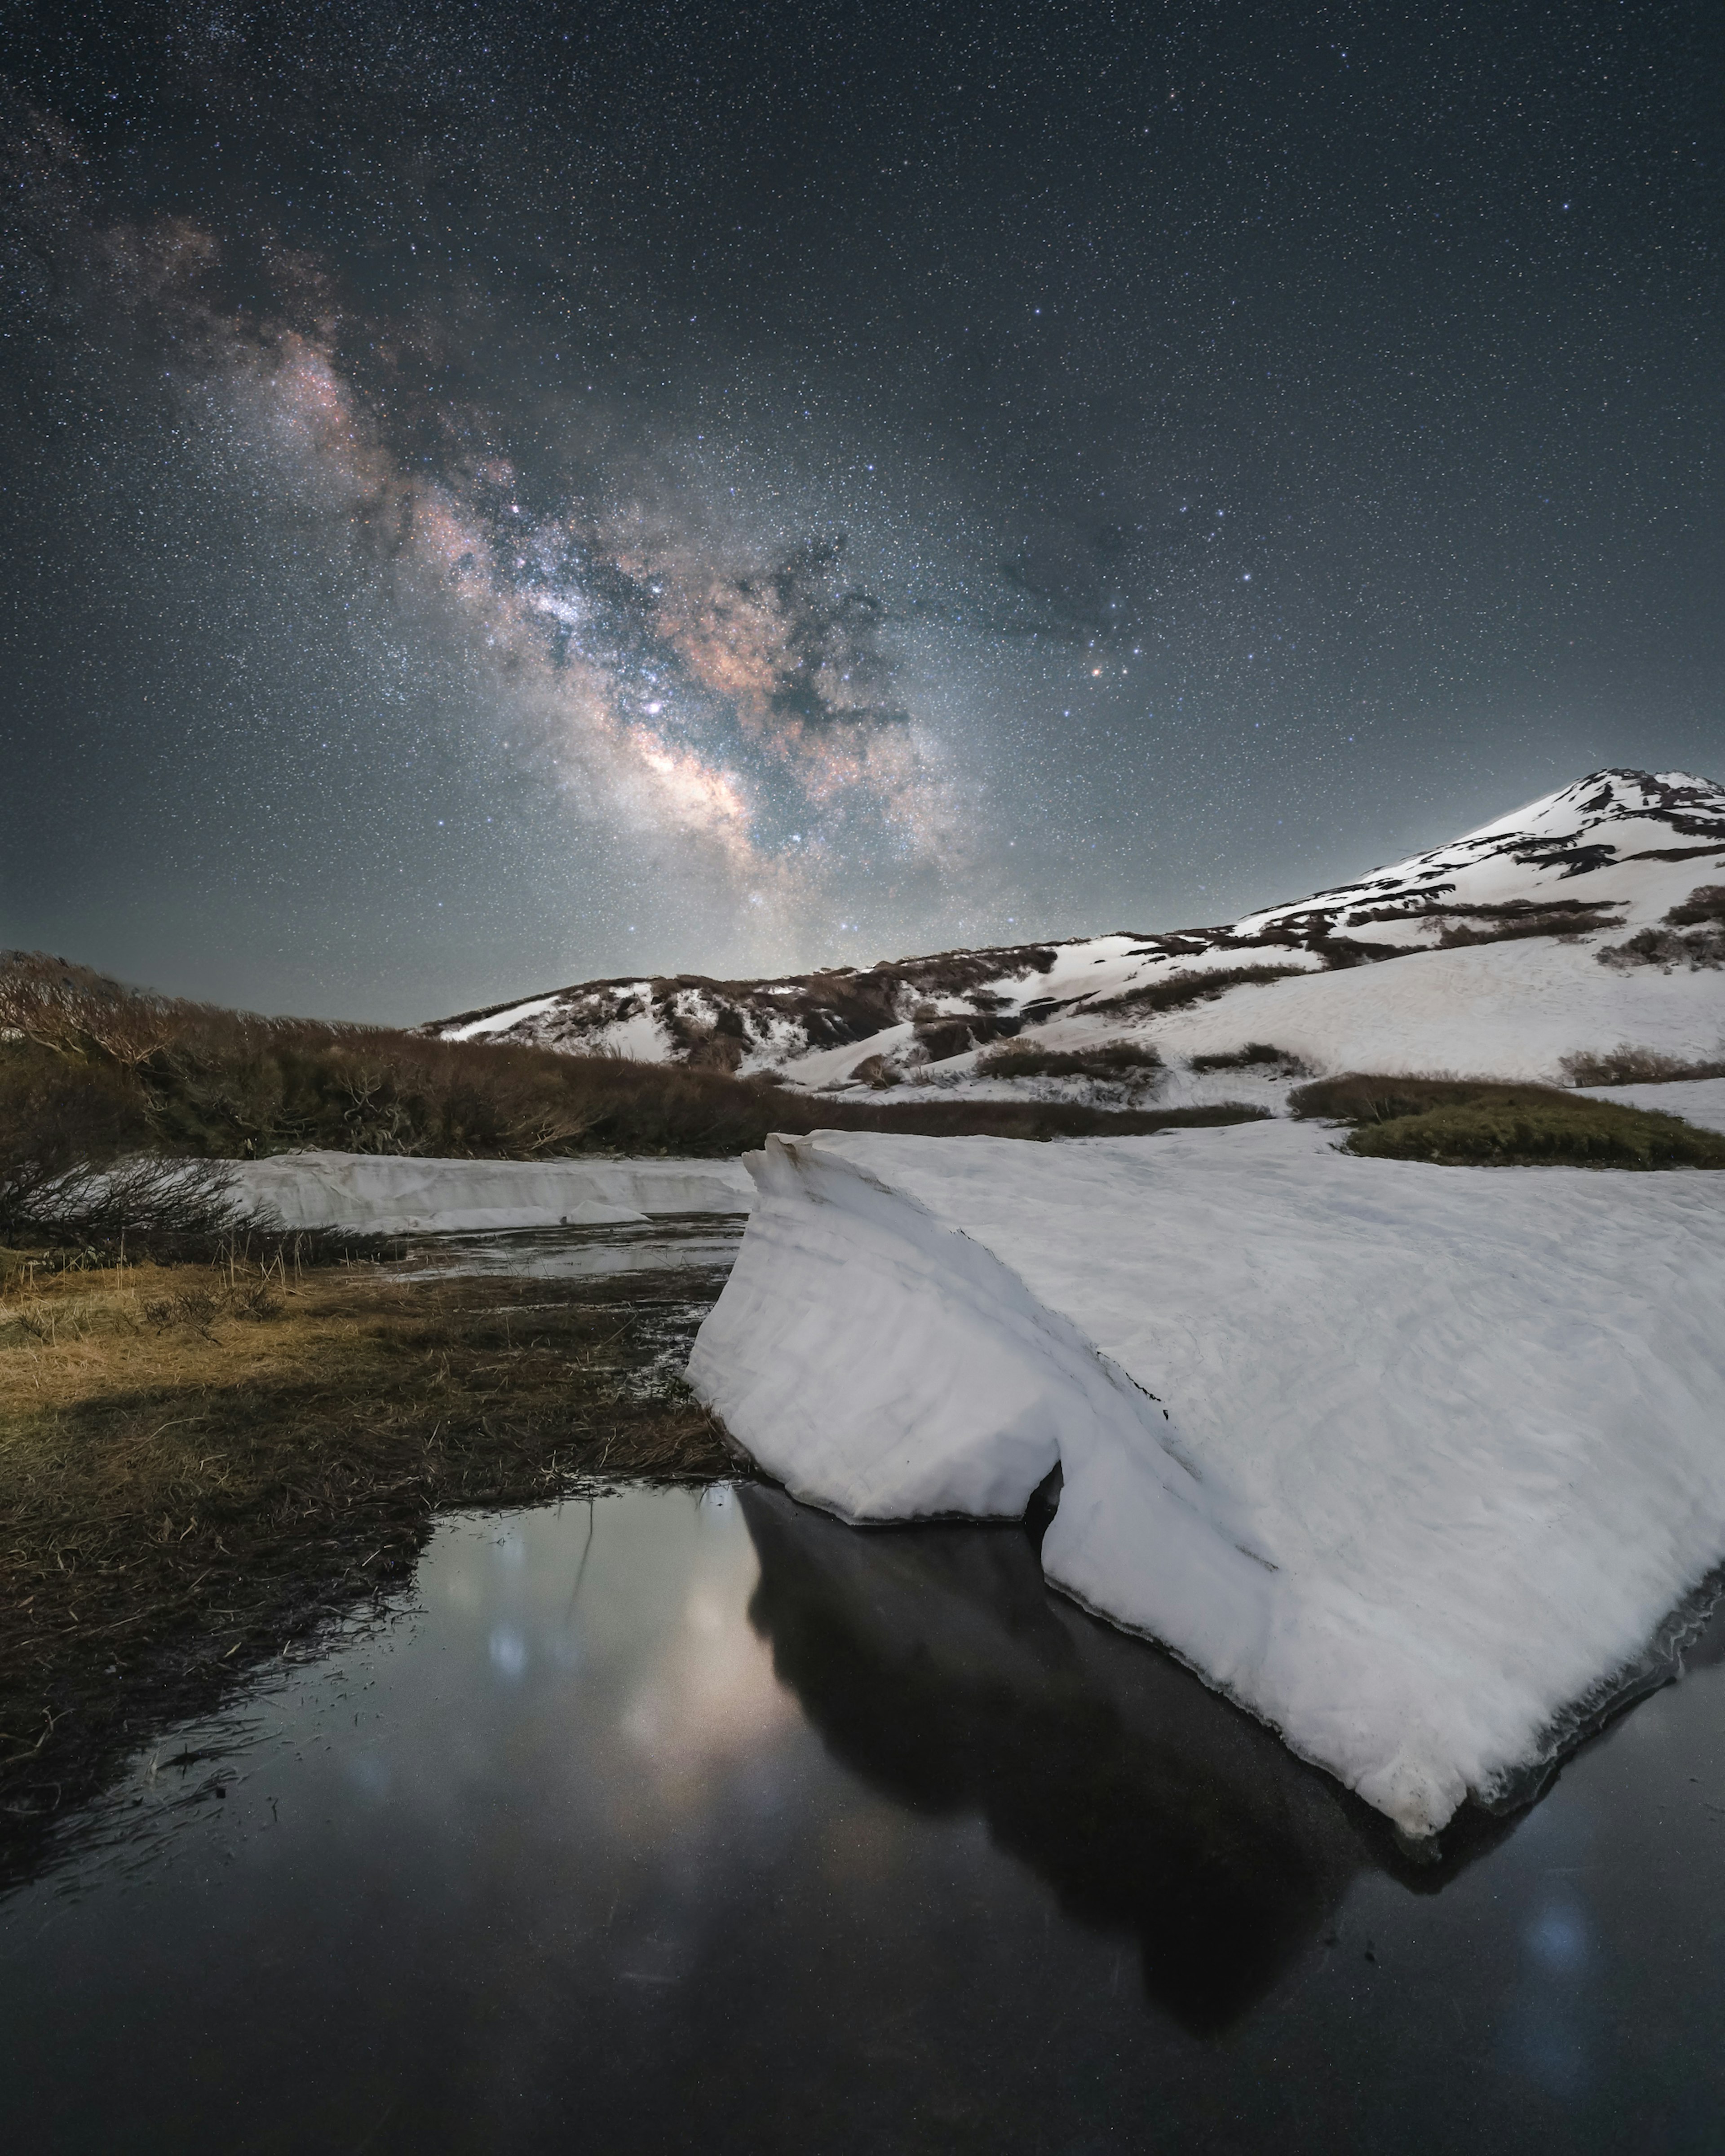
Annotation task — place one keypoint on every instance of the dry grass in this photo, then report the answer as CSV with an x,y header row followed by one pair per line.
x,y
1627,1064
1256,1054
197,1461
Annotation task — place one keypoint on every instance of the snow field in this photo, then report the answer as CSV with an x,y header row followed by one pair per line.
x,y
1407,1459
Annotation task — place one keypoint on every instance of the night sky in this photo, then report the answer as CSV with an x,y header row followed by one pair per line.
x,y
498,494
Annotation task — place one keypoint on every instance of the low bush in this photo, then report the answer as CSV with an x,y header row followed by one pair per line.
x,y
1560,1130
1465,1122
1178,990
1706,903
1118,1059
1699,949
101,1111
1255,1055
1692,935
1565,924
1358,1097
1629,1065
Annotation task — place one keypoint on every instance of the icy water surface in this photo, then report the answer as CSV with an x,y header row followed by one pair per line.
x,y
700,1822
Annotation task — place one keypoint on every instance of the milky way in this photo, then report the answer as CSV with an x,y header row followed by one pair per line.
x,y
498,499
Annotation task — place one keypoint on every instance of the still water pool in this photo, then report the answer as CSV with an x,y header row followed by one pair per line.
x,y
700,1822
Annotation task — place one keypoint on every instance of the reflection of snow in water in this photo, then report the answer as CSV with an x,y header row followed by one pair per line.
x,y
628,1791
676,1243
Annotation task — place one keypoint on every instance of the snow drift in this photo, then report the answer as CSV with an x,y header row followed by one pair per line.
x,y
387,1194
1411,1461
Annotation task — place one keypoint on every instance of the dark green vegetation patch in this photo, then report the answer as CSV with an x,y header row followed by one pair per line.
x,y
1468,1122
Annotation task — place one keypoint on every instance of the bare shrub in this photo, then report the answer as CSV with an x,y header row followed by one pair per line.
x,y
1699,949
1706,903
1255,1055
75,1011
1122,1061
1626,1065
1579,913
1702,948
1556,923
1180,989
144,1197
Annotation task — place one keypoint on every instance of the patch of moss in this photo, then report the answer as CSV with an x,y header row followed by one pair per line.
x,y
1550,1130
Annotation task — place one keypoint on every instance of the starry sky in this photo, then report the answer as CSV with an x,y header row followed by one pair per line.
x,y
496,494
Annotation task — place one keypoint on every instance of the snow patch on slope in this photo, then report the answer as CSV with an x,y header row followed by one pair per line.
x,y
384,1194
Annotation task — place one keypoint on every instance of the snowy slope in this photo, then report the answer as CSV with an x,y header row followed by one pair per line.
x,y
1481,957
1409,1460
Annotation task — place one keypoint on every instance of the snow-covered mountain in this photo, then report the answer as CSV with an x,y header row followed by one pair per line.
x,y
1590,920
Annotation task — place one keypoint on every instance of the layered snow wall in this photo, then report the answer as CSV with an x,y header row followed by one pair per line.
x,y
1410,1460
387,1194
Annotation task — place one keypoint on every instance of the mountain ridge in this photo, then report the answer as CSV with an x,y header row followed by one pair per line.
x,y
1589,862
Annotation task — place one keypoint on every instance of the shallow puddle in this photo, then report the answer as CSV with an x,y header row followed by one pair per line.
x,y
699,1821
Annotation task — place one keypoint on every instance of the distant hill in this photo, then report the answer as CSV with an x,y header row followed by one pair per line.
x,y
1588,920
